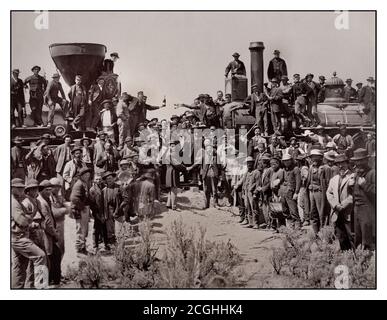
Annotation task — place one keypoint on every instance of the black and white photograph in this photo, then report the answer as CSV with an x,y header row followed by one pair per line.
x,y
192,150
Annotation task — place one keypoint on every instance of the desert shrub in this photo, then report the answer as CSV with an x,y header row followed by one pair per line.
x,y
307,261
191,261
91,272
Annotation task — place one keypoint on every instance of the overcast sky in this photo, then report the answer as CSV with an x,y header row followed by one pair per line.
x,y
182,54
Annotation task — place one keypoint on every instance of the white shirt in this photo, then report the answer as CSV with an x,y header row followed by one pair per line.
x,y
106,119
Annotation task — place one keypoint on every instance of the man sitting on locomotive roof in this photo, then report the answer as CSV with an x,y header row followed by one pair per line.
x,y
237,67
51,98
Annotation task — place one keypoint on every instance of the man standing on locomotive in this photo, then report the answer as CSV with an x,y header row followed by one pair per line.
x,y
78,103
51,98
37,85
17,100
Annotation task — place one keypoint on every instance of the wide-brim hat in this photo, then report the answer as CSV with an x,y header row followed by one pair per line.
x,y
32,183
45,136
286,156
316,153
349,80
236,54
115,54
77,148
108,174
45,184
341,158
36,67
18,140
309,75
55,182
17,183
84,170
276,51
106,101
360,154
330,155
321,77
86,138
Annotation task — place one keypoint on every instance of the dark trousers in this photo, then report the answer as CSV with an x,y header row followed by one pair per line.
x,y
290,206
317,214
16,105
262,119
210,188
93,116
343,233
100,232
79,120
54,265
365,227
36,105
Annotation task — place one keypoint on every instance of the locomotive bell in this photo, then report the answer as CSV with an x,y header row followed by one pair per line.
x,y
334,90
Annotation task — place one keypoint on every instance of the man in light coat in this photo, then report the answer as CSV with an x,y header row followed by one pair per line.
x,y
341,202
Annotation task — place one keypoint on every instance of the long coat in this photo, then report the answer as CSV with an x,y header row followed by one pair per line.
x,y
18,155
344,197
172,177
144,191
48,225
277,68
60,157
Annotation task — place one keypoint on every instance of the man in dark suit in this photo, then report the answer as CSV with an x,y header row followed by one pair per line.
x,y
258,108
236,67
145,107
210,173
78,103
277,67
96,96
17,99
62,154
37,85
51,98
367,97
350,94
18,163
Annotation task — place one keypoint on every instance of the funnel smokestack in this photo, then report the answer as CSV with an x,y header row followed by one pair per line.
x,y
256,54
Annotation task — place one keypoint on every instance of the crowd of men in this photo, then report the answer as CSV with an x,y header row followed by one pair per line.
x,y
121,175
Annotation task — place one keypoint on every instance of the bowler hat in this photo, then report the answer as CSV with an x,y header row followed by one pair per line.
x,y
17,183
321,77
31,184
45,184
309,75
360,154
330,155
108,174
114,54
55,76
36,67
276,51
83,171
236,54
296,75
348,80
341,158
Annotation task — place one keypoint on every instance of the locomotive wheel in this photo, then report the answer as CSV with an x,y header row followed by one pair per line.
x,y
60,131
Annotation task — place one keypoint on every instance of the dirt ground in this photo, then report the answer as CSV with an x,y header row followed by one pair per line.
x,y
221,225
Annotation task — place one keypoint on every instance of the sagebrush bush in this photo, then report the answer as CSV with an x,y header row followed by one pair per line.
x,y
314,260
